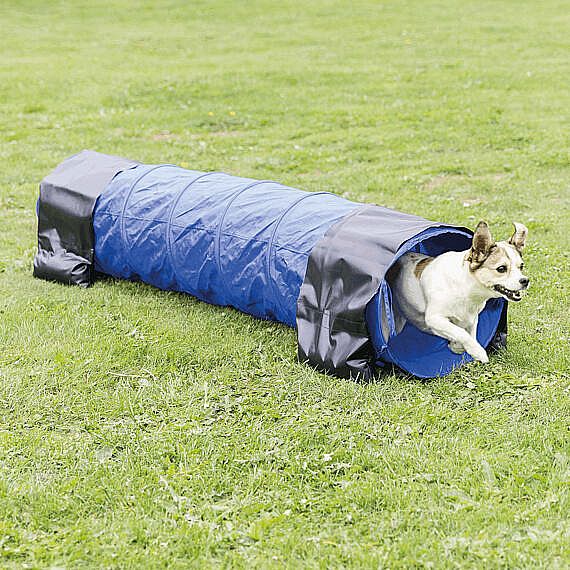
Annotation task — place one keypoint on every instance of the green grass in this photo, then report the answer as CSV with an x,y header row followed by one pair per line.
x,y
144,429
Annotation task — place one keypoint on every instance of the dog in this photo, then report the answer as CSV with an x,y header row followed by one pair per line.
x,y
444,295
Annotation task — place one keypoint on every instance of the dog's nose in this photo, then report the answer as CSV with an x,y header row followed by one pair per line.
x,y
524,281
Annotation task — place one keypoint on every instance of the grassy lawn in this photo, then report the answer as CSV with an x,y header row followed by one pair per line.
x,y
144,429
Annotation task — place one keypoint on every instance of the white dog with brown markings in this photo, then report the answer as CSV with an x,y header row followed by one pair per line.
x,y
444,295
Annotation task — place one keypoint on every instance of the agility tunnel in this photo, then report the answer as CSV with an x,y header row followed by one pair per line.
x,y
311,260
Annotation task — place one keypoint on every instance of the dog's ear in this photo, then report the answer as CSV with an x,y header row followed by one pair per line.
x,y
482,239
519,236
482,245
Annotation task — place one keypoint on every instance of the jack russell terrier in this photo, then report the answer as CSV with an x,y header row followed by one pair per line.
x,y
444,295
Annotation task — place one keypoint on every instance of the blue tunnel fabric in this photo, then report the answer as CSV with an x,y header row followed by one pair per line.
x,y
246,243
224,239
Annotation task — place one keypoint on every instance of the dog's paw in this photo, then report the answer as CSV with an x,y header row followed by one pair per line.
x,y
456,347
479,353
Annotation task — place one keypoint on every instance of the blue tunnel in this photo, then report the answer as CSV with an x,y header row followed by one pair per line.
x,y
266,249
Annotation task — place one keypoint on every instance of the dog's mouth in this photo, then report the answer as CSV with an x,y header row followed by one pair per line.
x,y
509,294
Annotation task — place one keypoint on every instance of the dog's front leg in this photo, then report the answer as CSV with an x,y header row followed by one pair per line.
x,y
472,329
456,335
457,347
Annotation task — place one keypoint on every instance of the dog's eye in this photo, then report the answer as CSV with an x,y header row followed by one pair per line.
x,y
502,268
521,267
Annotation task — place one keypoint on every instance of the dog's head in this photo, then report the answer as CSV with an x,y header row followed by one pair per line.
x,y
498,266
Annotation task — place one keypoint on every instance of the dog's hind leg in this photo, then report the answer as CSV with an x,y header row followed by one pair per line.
x,y
399,319
397,316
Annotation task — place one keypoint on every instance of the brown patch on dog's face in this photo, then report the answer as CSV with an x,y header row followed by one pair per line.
x,y
421,265
495,257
